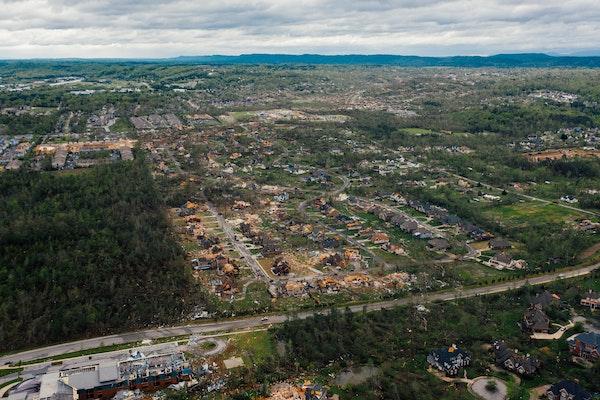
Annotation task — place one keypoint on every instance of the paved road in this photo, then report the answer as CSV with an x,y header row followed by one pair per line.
x,y
345,185
258,321
485,185
8,378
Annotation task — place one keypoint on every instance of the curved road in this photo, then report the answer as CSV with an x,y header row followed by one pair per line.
x,y
258,321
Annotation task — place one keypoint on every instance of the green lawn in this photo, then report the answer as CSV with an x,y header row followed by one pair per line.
x,y
191,246
242,116
531,212
4,372
122,125
471,273
416,131
257,299
254,347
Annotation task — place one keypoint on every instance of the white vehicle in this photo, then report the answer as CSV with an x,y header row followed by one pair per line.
x,y
264,319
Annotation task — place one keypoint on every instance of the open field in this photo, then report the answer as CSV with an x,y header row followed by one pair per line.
x,y
521,214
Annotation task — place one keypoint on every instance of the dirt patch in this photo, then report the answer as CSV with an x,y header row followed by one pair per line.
x,y
590,251
561,153
356,376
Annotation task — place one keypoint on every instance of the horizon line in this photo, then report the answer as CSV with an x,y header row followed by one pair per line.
x,y
174,57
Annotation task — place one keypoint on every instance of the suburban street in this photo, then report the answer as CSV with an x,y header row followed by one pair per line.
x,y
240,247
260,321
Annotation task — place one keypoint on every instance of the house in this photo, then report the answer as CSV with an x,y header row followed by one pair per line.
x,y
396,197
450,219
330,243
567,390
545,299
585,345
398,220
201,264
569,199
438,244
422,233
351,254
501,261
591,299
380,238
394,249
343,218
280,267
475,232
409,226
354,226
334,260
319,176
270,248
499,244
504,261
513,361
449,360
282,198
366,231
535,320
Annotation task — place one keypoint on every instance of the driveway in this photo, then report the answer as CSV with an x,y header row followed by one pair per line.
x,y
478,388
556,335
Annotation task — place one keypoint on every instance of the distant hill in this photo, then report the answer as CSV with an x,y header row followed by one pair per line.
x,y
499,60
526,60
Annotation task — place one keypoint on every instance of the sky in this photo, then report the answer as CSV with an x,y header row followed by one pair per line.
x,y
168,28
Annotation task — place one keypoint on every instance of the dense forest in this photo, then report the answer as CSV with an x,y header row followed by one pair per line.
x,y
87,252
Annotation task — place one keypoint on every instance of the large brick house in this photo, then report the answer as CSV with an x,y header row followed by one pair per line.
x,y
535,320
591,299
585,345
523,364
567,390
449,360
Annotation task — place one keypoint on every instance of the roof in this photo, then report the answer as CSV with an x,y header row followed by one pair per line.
x,y
525,361
589,338
447,355
87,379
544,298
572,388
536,319
591,295
503,258
108,372
500,244
438,243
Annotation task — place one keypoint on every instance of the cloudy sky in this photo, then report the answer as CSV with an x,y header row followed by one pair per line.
x,y
164,28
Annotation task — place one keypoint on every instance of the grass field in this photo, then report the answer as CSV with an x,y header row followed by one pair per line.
x,y
472,273
257,299
531,212
122,125
253,347
416,131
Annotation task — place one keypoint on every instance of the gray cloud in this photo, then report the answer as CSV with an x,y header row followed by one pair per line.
x,y
159,28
